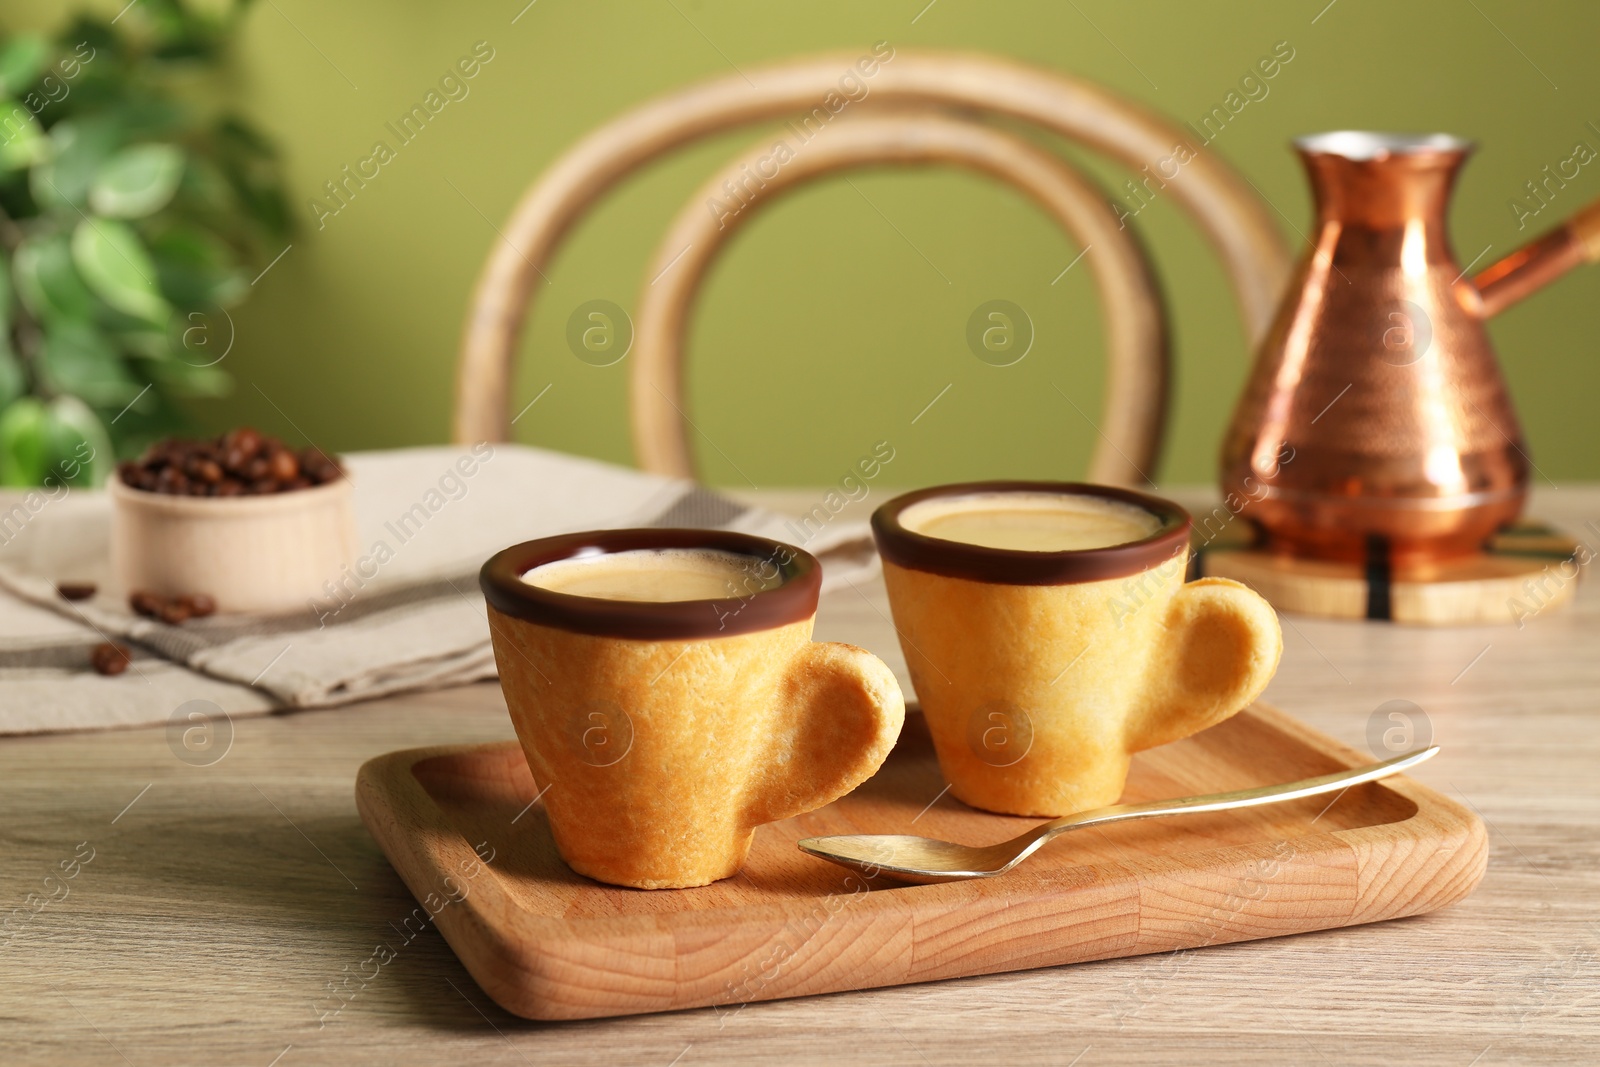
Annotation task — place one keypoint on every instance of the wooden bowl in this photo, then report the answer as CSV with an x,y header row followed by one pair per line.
x,y
250,553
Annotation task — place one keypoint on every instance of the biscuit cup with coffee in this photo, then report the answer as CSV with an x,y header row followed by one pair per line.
x,y
1050,635
669,698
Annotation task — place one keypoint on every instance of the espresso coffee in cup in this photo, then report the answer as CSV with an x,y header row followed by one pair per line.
x,y
1030,521
669,698
657,574
1050,635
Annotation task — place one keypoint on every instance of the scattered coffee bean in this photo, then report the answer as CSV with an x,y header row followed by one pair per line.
x,y
240,462
108,658
75,590
199,605
172,610
146,603
174,613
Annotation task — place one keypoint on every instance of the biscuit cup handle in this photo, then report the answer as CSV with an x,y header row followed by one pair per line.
x,y
1221,648
841,713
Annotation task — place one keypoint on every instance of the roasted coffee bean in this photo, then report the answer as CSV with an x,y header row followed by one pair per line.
x,y
108,658
75,590
246,440
240,462
199,604
206,469
171,480
173,610
143,602
282,465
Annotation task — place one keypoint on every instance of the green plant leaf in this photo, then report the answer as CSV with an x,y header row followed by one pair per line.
x,y
22,60
47,281
186,33
236,137
249,162
187,379
78,359
13,382
197,270
116,267
206,194
77,447
146,343
5,305
137,181
22,442
22,139
148,117
79,148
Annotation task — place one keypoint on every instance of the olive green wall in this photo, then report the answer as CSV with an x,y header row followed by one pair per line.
x,y
841,311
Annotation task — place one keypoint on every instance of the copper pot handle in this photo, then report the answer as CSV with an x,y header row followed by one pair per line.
x,y
1540,262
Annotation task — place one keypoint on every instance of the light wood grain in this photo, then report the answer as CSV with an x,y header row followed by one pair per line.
x,y
1523,572
1239,224
1134,411
549,944
212,916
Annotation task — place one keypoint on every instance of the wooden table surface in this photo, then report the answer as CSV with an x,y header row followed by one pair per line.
x,y
213,907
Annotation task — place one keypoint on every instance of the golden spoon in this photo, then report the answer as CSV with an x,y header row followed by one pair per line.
x,y
926,861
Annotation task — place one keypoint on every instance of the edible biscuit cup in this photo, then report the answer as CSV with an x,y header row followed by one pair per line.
x,y
666,732
1041,673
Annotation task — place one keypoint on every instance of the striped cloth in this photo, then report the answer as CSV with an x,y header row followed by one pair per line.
x,y
418,623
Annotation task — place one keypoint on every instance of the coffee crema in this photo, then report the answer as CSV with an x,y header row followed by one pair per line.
x,y
1031,521
657,575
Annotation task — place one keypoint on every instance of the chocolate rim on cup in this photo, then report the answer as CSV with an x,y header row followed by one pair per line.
x,y
1011,566
794,600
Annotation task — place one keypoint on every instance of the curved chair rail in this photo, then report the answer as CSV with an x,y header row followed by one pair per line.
x,y
1134,412
1224,205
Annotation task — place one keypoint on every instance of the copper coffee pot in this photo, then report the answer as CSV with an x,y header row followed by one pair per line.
x,y
1375,423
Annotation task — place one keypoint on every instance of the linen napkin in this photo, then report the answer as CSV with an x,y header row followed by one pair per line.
x,y
408,616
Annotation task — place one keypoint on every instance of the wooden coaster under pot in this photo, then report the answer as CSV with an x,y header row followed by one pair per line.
x,y
1528,569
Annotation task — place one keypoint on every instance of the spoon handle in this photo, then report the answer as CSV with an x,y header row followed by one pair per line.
x,y
1243,798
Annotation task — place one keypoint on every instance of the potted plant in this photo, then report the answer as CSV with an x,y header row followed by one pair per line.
x,y
134,213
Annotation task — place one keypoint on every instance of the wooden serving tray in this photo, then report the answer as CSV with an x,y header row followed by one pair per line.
x,y
550,944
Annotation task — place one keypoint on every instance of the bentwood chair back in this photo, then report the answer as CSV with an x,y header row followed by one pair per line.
x,y
915,109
